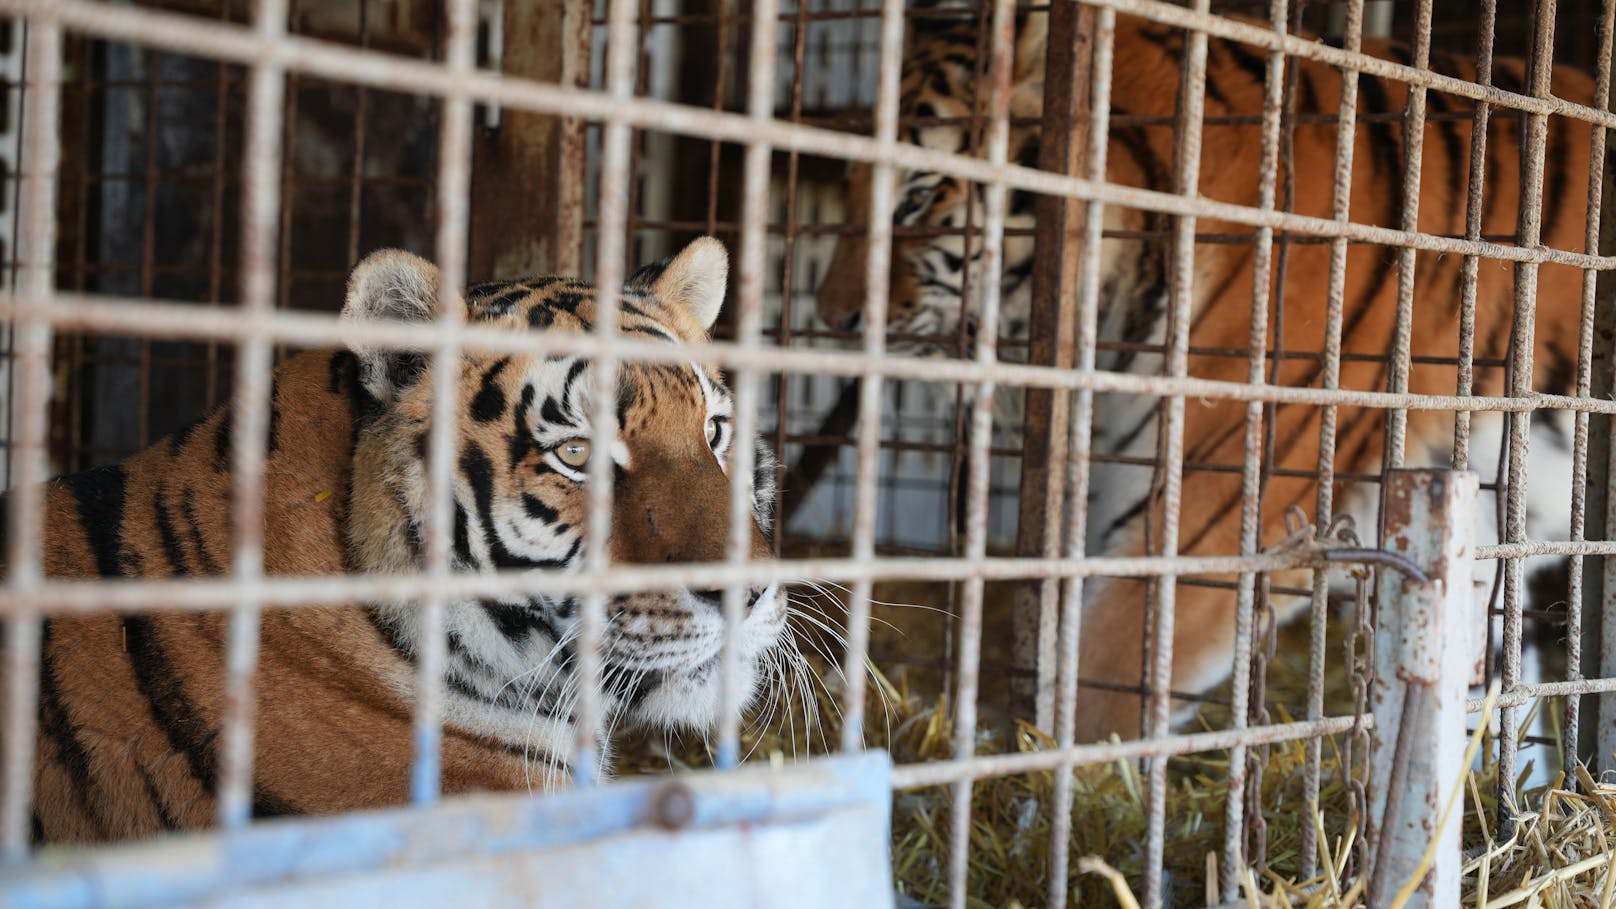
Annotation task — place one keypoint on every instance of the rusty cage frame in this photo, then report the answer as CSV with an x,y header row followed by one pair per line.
x,y
1060,375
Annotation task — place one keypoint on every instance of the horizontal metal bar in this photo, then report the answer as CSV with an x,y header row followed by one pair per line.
x,y
191,594
1521,694
174,321
189,35
935,773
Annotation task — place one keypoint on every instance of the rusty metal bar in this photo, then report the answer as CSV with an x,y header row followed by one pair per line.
x,y
1052,328
610,246
747,381
1468,269
1585,365
1098,29
1324,507
976,503
1170,472
453,219
937,773
1233,863
70,597
260,221
36,197
1409,219
521,180
877,277
1522,348
179,320
1422,671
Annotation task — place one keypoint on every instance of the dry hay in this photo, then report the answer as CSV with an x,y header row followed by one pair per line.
x,y
1558,857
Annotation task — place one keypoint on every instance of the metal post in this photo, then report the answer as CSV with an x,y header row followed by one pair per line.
x,y
1422,669
1052,339
528,181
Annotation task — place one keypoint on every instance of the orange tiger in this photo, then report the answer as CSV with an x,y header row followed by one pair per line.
x,y
941,75
130,705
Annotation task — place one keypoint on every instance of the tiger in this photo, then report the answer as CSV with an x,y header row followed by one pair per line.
x,y
931,268
131,705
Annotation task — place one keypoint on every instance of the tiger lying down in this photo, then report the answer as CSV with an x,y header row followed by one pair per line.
x,y
130,707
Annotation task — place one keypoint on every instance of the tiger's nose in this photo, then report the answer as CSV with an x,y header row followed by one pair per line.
x,y
851,321
715,598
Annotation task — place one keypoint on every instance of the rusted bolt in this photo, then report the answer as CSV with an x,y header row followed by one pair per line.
x,y
673,806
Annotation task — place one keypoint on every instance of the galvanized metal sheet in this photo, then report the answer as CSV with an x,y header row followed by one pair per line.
x,y
807,835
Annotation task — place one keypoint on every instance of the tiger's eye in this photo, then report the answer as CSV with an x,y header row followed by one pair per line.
x,y
714,431
573,453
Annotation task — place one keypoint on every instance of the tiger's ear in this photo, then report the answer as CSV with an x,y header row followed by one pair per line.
x,y
695,279
391,285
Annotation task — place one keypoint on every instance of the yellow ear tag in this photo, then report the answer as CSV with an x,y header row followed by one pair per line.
x,y
323,494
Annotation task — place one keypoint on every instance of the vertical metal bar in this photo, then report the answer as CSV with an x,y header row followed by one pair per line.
x,y
41,156
788,254
609,248
1422,673
576,46
1409,220
1340,204
1522,345
748,334
356,173
1585,361
976,505
1103,28
1473,216
877,277
1234,861
453,191
1181,289
1052,325
260,213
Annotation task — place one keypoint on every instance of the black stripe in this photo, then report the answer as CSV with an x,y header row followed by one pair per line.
x,y
272,442
159,682
1387,148
168,821
489,403
188,513
538,509
1213,89
56,724
1454,147
390,634
221,442
169,537
99,496
1254,64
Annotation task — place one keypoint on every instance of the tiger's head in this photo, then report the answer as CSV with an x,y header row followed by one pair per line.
x,y
520,465
935,281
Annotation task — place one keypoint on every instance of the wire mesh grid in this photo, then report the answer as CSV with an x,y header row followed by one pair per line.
x,y
87,318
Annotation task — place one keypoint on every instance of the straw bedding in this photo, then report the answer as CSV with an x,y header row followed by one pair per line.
x,y
1558,856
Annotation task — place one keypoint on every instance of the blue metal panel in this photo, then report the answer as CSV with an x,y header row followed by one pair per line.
x,y
813,834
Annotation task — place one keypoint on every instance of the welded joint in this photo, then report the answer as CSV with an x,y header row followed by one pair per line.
x,y
1338,543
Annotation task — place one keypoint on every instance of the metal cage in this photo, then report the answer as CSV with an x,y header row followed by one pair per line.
x,y
190,182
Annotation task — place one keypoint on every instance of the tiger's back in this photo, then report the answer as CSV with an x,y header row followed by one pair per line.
x,y
131,705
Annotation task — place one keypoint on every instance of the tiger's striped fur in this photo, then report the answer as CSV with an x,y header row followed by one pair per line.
x,y
930,274
131,706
